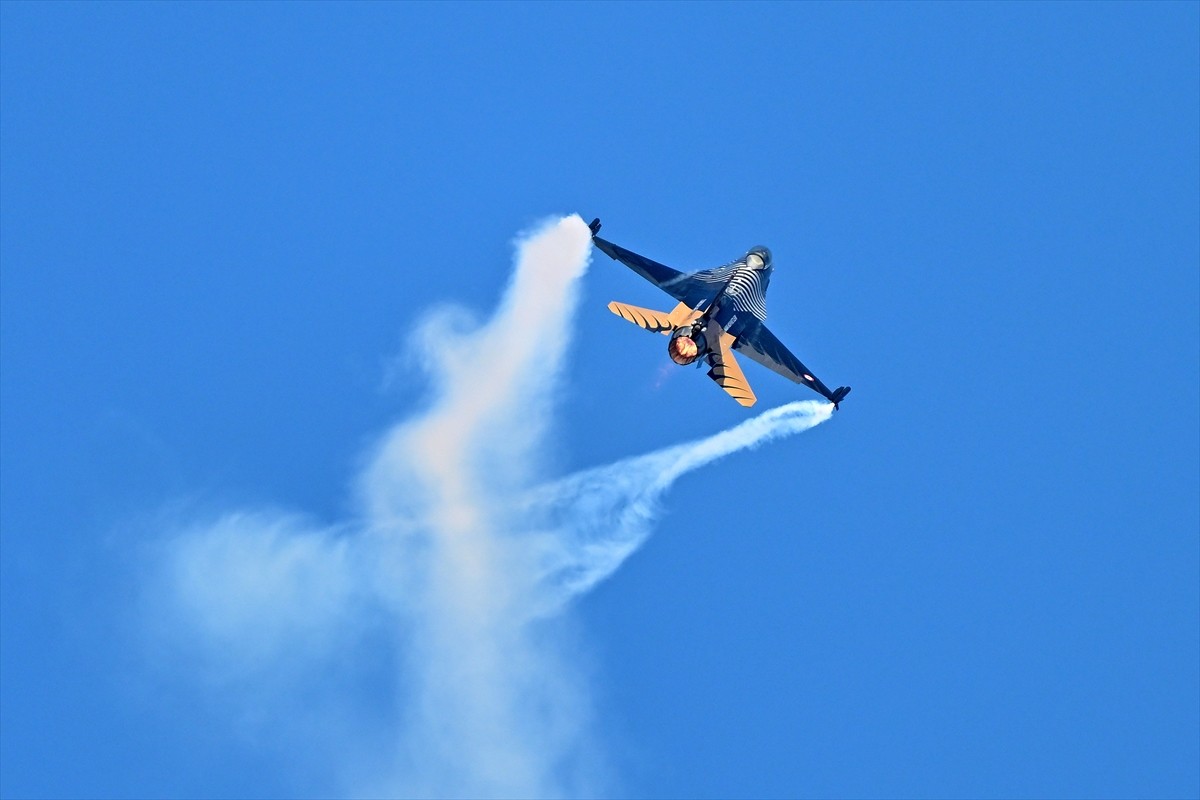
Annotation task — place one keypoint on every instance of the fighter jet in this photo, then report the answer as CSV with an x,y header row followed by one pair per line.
x,y
720,310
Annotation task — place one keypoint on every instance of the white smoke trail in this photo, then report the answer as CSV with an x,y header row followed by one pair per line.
x,y
486,707
601,516
460,550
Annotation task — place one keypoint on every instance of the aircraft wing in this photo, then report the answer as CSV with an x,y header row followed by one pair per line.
x,y
685,288
758,343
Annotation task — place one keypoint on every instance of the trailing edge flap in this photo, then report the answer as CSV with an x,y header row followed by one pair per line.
x,y
727,373
655,321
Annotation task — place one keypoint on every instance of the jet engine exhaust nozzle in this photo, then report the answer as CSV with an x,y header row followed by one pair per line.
x,y
686,346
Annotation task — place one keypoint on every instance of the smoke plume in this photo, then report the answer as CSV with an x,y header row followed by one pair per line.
x,y
460,563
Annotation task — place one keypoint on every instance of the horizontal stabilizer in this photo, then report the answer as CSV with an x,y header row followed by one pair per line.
x,y
595,226
728,373
654,321
838,394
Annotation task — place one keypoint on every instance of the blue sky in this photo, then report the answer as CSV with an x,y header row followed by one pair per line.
x,y
220,224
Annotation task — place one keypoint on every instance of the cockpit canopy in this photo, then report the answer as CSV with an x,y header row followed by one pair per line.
x,y
759,257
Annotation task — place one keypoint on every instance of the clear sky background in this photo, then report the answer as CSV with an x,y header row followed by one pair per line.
x,y
981,578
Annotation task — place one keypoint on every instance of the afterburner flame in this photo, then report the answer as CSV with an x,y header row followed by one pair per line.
x,y
683,350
